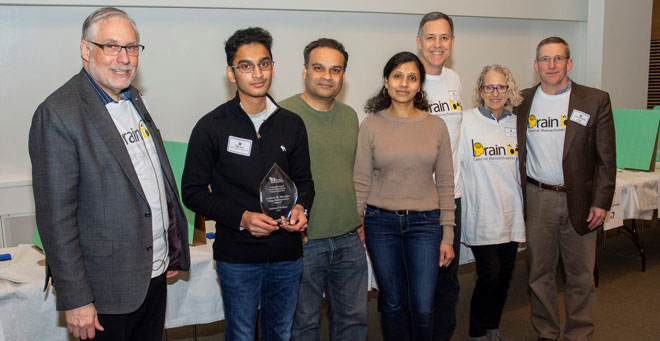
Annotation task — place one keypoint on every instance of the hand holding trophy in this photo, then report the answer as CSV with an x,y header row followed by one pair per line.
x,y
278,195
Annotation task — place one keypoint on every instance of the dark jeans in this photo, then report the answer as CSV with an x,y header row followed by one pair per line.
x,y
494,266
244,286
338,267
405,251
446,292
146,323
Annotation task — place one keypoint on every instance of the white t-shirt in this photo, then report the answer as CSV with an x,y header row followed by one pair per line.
x,y
492,209
259,118
546,128
141,149
444,95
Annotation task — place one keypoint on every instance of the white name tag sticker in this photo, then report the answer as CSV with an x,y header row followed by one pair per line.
x,y
579,117
510,132
239,146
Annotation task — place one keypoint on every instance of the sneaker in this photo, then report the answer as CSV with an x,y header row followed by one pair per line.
x,y
494,335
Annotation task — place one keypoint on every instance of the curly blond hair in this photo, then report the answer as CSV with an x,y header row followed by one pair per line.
x,y
512,93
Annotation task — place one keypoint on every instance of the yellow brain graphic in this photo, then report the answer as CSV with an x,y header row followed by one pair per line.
x,y
511,149
478,149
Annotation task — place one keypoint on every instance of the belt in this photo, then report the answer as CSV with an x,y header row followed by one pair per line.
x,y
397,212
556,188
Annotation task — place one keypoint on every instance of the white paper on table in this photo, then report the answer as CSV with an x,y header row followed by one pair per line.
x,y
24,266
614,217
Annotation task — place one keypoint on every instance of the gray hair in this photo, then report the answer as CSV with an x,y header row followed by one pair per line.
x,y
90,26
433,16
513,92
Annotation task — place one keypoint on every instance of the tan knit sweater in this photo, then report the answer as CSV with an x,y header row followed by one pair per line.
x,y
402,154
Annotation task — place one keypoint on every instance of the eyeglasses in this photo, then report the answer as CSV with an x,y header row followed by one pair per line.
x,y
556,59
247,67
490,88
113,49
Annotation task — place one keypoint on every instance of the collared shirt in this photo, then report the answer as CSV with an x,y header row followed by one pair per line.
x,y
104,95
567,88
487,113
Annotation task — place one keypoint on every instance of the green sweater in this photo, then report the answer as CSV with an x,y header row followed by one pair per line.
x,y
332,139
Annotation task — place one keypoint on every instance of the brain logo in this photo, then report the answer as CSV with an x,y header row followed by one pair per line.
x,y
562,123
144,130
477,149
455,105
532,121
511,149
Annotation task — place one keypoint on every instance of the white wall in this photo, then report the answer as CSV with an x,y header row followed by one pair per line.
x,y
182,69
559,10
626,45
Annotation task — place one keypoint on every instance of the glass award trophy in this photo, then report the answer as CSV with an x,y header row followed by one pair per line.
x,y
277,194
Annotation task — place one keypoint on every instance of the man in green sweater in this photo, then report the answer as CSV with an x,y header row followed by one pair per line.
x,y
334,259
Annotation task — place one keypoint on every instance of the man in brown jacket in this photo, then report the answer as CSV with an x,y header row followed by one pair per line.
x,y
568,169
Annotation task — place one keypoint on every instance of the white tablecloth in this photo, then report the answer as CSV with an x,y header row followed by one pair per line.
x,y
639,191
194,297
28,313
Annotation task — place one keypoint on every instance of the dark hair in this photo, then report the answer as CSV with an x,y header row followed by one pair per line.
x,y
433,16
381,100
553,40
247,36
325,42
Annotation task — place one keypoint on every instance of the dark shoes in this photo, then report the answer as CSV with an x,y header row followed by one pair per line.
x,y
491,335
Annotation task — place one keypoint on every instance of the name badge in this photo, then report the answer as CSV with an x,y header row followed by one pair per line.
x,y
510,132
239,146
579,117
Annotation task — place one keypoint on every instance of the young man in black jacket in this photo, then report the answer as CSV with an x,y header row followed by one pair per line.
x,y
231,149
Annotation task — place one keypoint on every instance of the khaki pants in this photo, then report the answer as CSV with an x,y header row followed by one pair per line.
x,y
550,234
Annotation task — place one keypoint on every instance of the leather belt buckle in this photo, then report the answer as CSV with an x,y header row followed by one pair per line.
x,y
556,188
400,213
403,212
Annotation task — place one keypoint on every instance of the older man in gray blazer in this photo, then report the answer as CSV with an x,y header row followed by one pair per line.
x,y
108,210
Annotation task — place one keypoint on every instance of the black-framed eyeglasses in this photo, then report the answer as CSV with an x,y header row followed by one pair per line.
x,y
490,88
556,59
114,49
247,67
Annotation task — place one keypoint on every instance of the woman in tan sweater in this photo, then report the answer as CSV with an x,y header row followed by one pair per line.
x,y
408,219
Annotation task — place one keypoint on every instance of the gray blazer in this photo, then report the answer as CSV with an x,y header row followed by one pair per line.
x,y
93,217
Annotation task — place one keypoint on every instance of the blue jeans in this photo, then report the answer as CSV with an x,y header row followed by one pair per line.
x,y
338,266
405,251
243,285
